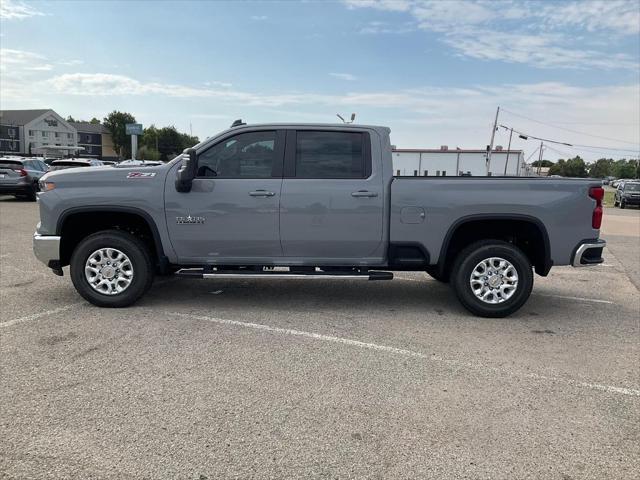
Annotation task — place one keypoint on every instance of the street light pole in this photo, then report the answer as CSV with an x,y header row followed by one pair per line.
x,y
508,151
493,134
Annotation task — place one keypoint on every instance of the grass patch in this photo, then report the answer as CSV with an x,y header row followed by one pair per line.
x,y
608,198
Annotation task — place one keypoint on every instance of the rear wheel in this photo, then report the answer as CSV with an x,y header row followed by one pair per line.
x,y
492,278
31,196
111,268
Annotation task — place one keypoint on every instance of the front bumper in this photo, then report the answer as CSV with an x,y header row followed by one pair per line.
x,y
588,253
47,249
631,200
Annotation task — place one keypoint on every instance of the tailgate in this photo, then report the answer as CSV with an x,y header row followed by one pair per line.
x,y
10,172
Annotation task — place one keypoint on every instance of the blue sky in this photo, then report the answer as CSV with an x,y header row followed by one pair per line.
x,y
434,71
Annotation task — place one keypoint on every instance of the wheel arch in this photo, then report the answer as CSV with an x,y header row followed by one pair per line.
x,y
504,225
113,216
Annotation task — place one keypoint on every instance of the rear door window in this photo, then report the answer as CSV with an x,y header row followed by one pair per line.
x,y
332,154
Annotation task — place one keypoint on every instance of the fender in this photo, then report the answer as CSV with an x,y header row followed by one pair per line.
x,y
547,263
157,241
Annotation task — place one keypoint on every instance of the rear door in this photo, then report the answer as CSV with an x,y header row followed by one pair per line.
x,y
231,213
332,205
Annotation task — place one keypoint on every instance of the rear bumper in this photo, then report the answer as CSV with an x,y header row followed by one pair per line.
x,y
588,253
46,248
19,189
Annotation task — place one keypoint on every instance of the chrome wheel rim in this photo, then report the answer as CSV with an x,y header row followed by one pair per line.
x,y
108,271
494,280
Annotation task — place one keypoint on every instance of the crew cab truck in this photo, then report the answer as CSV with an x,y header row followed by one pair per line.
x,y
311,201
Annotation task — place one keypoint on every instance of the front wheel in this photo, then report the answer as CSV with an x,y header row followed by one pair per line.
x,y
622,204
111,268
492,278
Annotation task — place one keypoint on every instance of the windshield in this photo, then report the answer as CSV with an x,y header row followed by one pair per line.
x,y
632,187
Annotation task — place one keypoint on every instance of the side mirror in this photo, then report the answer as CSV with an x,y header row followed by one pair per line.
x,y
187,171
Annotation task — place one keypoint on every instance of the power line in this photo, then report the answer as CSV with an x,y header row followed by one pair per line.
x,y
569,129
526,136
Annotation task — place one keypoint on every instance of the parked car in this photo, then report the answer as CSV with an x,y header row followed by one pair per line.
x,y
627,193
65,163
109,163
320,201
19,176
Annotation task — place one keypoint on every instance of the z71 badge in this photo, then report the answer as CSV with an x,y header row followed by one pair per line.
x,y
189,220
141,175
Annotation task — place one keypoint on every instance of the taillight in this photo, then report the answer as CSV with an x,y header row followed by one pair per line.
x,y
23,172
597,193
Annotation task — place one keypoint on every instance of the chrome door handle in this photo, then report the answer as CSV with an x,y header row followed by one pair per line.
x,y
261,193
364,193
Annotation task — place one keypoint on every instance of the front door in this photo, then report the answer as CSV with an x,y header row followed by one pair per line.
x,y
332,203
230,216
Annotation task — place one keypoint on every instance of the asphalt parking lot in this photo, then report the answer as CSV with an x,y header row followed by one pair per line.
x,y
336,379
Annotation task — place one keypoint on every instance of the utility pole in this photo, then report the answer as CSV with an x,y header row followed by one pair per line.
x,y
493,134
540,157
458,162
508,151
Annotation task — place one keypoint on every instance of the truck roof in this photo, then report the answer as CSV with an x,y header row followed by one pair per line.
x,y
319,125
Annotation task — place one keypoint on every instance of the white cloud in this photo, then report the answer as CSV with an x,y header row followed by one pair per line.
x,y
14,62
214,83
70,63
259,18
419,117
11,10
491,30
344,76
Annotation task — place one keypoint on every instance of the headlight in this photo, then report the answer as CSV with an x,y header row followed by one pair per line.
x,y
46,186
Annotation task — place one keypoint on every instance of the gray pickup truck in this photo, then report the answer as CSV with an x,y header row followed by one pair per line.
x,y
311,201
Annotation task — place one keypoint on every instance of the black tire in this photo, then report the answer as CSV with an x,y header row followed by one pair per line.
x,y
432,271
615,202
622,204
471,256
31,196
128,244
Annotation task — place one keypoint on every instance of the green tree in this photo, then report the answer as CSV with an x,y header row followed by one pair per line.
x,y
148,153
95,121
167,141
543,163
601,168
575,167
626,169
558,168
115,122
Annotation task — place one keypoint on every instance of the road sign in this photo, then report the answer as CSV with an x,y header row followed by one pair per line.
x,y
133,128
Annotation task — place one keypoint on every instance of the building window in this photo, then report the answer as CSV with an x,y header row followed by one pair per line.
x,y
45,134
426,173
70,136
444,173
32,133
57,134
415,173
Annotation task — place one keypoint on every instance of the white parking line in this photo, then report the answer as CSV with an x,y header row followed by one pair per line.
x,y
578,299
408,353
34,316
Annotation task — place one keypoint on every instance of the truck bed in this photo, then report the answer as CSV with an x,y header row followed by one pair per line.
x,y
426,210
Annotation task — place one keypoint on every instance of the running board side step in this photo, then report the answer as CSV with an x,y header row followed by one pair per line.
x,y
209,274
